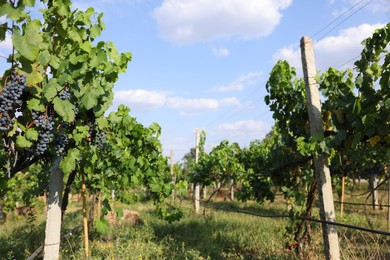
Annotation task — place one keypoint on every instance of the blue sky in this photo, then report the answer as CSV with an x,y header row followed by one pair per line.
x,y
204,63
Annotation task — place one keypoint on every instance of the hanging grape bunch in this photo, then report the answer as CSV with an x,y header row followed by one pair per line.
x,y
64,94
61,141
10,99
44,125
100,139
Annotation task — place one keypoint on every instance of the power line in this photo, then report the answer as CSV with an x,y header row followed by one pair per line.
x,y
349,16
334,20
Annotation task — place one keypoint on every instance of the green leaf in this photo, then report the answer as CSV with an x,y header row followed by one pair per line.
x,y
36,105
22,142
3,30
44,57
73,35
29,3
65,109
11,13
102,226
51,89
90,99
86,46
80,133
32,134
357,107
95,31
34,78
28,44
68,163
119,212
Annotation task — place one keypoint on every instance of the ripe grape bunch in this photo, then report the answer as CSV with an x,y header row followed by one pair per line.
x,y
64,94
10,99
100,139
61,141
44,126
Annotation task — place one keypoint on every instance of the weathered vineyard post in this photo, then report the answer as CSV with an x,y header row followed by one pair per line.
x,y
53,217
85,220
327,212
388,196
373,185
196,184
342,195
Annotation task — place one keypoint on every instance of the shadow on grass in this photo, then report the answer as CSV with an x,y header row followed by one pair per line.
x,y
25,238
27,234
221,235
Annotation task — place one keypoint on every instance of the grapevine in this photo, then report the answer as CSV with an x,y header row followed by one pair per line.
x,y
10,100
44,124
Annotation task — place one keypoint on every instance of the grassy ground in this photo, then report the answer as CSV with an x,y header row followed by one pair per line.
x,y
213,234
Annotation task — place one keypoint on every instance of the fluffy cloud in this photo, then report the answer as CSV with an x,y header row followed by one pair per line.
x,y
192,21
332,51
222,52
250,129
239,84
141,100
373,6
196,105
6,46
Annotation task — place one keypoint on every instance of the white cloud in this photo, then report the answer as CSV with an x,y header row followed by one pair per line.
x,y
193,106
331,51
372,6
222,52
250,129
6,46
235,86
193,21
139,99
239,84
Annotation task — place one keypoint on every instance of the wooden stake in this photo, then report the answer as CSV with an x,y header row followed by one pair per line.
x,y
342,196
53,218
374,184
196,185
85,220
388,196
327,212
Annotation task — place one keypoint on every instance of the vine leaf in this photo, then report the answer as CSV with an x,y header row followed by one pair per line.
x,y
64,108
22,142
28,45
90,99
68,163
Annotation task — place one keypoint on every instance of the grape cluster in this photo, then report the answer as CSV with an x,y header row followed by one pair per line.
x,y
64,94
61,141
44,126
10,99
100,139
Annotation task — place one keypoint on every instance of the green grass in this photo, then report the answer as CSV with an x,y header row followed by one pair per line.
x,y
213,234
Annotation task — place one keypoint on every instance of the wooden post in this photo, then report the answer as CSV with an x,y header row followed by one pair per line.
x,y
196,185
342,195
85,220
388,196
231,189
327,212
53,217
374,184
